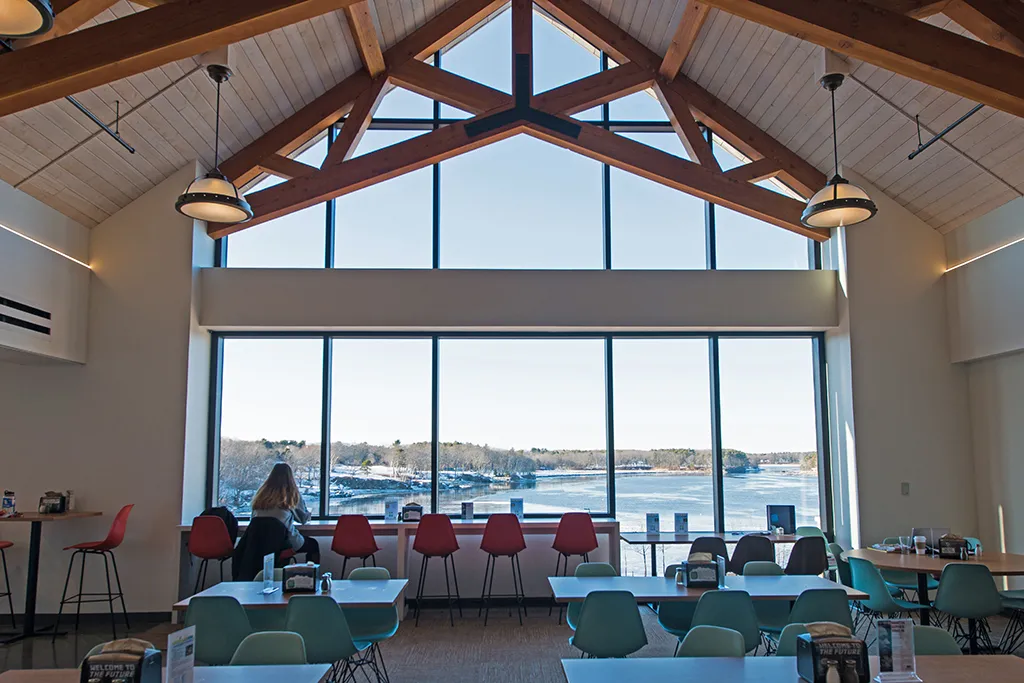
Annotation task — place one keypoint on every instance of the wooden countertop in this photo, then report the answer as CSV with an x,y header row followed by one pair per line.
x,y
39,517
1000,564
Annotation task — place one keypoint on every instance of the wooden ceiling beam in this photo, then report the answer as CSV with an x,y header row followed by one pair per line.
x,y
67,20
522,45
364,171
755,171
449,88
916,9
685,36
356,123
441,30
591,91
283,167
145,40
360,23
667,169
898,43
601,31
697,146
1000,23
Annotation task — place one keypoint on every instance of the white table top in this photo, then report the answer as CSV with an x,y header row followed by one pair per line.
x,y
947,669
309,673
346,593
658,589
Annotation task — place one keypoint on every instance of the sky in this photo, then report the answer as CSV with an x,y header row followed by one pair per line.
x,y
521,203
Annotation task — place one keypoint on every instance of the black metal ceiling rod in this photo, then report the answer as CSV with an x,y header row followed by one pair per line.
x,y
521,109
923,146
6,46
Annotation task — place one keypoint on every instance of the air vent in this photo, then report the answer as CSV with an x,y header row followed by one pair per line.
x,y
13,313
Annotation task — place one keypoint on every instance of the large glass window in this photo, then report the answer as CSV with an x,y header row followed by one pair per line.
x,y
380,424
271,400
769,430
522,418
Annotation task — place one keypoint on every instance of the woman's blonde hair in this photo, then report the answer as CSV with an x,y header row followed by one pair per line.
x,y
278,491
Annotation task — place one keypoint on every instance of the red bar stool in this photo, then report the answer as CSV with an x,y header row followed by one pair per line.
x,y
103,548
435,537
209,540
353,538
4,545
575,536
503,537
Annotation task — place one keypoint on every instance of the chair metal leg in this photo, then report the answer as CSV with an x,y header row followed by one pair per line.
x,y
483,588
120,592
222,560
515,587
344,563
455,579
63,597
110,597
419,588
7,584
490,588
522,586
448,592
373,558
199,578
558,561
81,587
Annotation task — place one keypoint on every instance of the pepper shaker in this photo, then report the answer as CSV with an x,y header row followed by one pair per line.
x,y
325,582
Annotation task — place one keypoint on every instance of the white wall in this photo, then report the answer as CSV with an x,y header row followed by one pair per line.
x,y
900,411
33,275
116,429
234,298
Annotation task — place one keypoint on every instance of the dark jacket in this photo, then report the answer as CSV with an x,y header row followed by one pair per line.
x,y
264,535
229,520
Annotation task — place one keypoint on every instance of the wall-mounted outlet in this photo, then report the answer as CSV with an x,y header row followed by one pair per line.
x,y
905,488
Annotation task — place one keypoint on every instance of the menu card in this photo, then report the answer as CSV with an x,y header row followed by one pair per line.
x,y
682,522
391,511
516,505
181,655
467,511
269,586
653,523
896,651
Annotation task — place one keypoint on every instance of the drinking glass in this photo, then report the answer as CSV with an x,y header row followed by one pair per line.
x,y
905,545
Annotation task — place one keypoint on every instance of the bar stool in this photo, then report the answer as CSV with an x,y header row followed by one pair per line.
x,y
503,537
353,538
209,540
575,536
103,548
4,545
435,537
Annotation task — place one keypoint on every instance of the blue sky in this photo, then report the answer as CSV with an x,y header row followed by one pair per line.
x,y
521,203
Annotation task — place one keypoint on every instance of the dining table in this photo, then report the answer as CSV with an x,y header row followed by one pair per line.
x,y
347,593
296,673
653,589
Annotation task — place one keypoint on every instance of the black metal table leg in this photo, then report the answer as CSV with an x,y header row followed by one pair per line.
x,y
654,559
922,597
31,586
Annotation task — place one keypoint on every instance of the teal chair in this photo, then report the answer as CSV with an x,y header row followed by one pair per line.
x,y
712,641
1013,634
968,591
932,640
372,625
903,582
787,640
609,625
221,626
810,531
270,648
325,630
267,619
842,565
572,614
772,615
732,609
675,616
817,604
974,545
880,602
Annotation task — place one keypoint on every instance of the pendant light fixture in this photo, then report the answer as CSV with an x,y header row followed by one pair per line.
x,y
212,197
24,18
840,202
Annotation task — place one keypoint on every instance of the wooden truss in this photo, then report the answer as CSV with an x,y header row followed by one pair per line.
x,y
546,116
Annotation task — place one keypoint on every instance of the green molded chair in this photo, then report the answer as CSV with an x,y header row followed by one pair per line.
x,y
372,625
810,531
609,625
842,565
325,630
731,609
820,604
787,640
880,602
900,581
267,619
676,616
572,613
221,626
1013,634
968,591
772,615
270,648
974,544
712,641
932,640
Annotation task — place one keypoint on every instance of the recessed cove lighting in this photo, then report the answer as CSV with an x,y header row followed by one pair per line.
x,y
44,246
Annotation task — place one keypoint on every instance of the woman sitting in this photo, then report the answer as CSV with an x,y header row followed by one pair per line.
x,y
279,498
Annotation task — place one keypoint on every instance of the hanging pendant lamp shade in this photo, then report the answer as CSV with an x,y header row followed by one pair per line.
x,y
840,202
24,18
212,197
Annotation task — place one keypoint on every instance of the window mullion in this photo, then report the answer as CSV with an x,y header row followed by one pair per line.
x,y
325,430
717,470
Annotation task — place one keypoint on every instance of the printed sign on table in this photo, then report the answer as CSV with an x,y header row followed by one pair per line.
x,y
896,651
682,522
653,523
269,586
181,655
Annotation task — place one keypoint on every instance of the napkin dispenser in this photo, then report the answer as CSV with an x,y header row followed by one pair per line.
x,y
952,547
123,661
703,570
300,578
53,503
412,512
831,647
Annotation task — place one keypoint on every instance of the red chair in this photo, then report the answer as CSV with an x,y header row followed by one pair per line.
x,y
435,537
103,548
353,537
503,537
209,540
4,545
575,536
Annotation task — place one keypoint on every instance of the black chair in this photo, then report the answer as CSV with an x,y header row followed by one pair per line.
x,y
710,544
808,557
751,548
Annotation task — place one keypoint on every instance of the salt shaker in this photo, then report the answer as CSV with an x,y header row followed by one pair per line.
x,y
325,582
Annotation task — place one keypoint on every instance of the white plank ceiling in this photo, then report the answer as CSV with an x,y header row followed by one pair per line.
x,y
55,154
